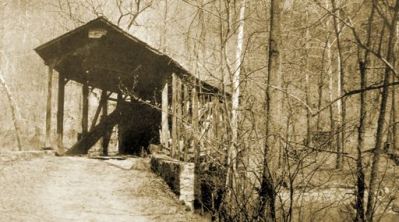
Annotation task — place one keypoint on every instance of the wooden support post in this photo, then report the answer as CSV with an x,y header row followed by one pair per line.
x,y
107,134
186,120
104,99
179,111
215,119
121,149
165,117
91,138
194,122
186,101
98,110
85,109
48,110
60,113
174,116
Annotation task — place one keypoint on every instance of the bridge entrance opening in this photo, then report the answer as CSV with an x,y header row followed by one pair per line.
x,y
138,128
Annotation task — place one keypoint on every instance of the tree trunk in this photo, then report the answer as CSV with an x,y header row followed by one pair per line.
x,y
395,110
236,92
331,98
374,175
359,205
267,193
320,85
3,83
13,108
363,61
341,107
307,86
163,34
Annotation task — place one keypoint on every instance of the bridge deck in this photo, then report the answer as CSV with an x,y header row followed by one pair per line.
x,y
81,189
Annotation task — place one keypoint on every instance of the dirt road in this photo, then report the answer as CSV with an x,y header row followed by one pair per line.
x,y
81,189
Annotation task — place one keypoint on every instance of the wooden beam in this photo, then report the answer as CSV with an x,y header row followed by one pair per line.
x,y
121,149
186,119
180,119
215,118
165,117
179,110
60,113
174,116
194,122
103,99
107,134
48,109
85,108
90,139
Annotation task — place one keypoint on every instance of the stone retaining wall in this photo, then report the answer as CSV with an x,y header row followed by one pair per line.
x,y
178,175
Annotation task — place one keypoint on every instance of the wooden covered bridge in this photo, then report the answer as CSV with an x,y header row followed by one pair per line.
x,y
157,100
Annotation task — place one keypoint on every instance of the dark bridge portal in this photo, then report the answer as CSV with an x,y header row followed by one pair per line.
x,y
139,126
100,55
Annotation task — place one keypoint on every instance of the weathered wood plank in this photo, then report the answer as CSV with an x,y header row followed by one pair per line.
x,y
60,113
107,134
85,108
121,149
97,114
174,115
186,119
215,119
90,138
102,103
165,117
194,122
48,109
179,113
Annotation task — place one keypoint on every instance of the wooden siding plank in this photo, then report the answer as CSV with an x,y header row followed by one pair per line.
x,y
60,113
165,117
48,109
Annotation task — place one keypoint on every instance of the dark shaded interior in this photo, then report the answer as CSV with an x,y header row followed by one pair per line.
x,y
139,127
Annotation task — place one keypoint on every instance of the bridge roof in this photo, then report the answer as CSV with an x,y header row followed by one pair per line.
x,y
109,58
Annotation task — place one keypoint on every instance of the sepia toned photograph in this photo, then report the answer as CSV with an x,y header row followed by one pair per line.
x,y
199,110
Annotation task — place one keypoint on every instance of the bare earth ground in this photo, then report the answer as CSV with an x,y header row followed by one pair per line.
x,y
82,189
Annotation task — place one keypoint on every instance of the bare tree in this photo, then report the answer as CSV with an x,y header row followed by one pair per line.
x,y
4,63
374,175
236,90
131,10
13,108
267,193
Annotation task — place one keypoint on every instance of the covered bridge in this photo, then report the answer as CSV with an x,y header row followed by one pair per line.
x,y
157,100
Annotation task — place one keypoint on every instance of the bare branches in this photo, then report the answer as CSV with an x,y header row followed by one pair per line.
x,y
131,9
354,92
13,110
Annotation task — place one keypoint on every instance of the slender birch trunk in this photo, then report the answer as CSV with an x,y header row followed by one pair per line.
x,y
331,95
3,83
13,108
341,107
232,158
236,87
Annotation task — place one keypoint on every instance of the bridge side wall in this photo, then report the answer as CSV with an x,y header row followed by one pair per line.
x,y
178,175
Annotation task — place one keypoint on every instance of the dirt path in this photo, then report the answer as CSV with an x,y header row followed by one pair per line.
x,y
81,189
